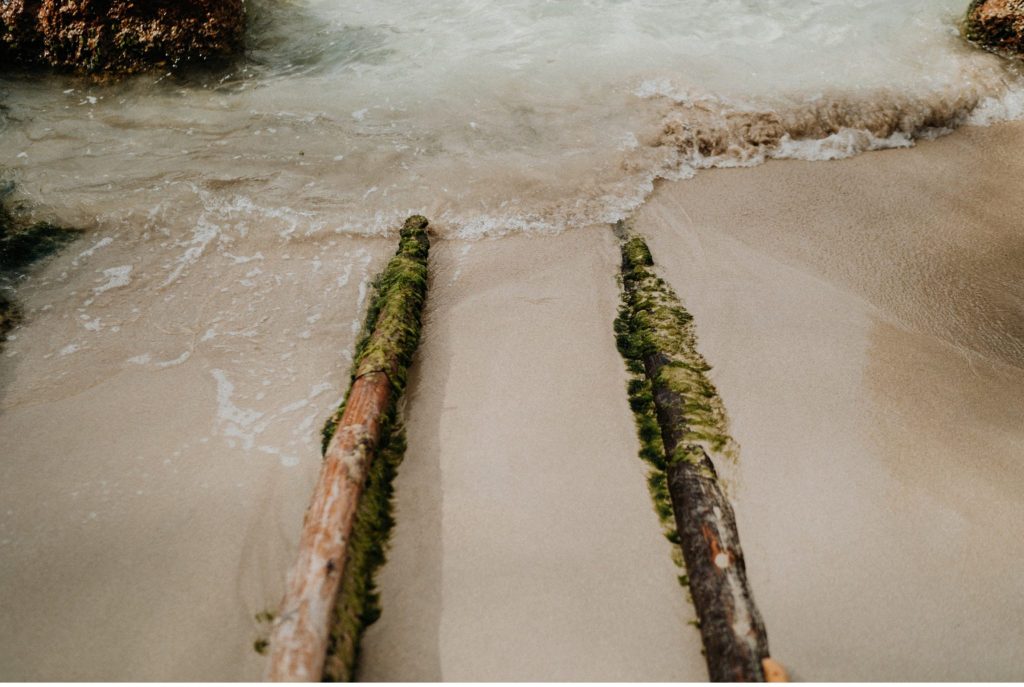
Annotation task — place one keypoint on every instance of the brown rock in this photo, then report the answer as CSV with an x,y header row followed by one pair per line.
x,y
996,25
120,36
19,35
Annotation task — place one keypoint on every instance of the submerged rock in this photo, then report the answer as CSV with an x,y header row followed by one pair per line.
x,y
996,25
119,36
8,316
21,244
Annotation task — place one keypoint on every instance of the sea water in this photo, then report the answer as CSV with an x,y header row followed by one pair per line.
x,y
489,117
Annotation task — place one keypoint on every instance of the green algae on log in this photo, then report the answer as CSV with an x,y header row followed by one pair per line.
x,y
996,25
329,597
680,420
119,36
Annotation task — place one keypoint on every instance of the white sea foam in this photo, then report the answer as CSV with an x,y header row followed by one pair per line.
x,y
116,277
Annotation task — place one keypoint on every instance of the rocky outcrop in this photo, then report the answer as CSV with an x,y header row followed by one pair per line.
x,y
119,36
996,25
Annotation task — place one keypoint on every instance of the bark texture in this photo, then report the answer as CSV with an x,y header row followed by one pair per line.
x,y
315,628
656,337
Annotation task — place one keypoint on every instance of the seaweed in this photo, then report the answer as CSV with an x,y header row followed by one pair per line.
x,y
651,320
391,330
390,335
358,603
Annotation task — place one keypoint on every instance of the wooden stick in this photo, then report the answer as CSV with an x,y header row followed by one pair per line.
x,y
655,333
300,635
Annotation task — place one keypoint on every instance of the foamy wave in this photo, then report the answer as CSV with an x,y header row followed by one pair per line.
x,y
709,132
696,132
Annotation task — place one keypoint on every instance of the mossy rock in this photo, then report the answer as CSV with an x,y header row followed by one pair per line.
x,y
996,25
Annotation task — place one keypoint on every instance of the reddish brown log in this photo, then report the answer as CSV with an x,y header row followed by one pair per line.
x,y
302,631
299,641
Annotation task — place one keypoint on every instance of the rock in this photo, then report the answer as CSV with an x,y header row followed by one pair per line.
x,y
120,36
996,25
20,40
9,316
21,244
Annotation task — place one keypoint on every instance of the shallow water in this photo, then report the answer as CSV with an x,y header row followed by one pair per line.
x,y
491,117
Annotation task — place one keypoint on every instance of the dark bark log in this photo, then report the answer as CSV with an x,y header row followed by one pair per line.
x,y
735,641
654,331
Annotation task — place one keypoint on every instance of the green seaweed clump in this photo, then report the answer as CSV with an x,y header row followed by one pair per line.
x,y
653,323
391,330
391,333
358,604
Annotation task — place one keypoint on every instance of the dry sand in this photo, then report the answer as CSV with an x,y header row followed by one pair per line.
x,y
526,546
866,323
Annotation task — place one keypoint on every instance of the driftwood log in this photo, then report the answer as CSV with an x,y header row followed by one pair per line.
x,y
656,338
302,632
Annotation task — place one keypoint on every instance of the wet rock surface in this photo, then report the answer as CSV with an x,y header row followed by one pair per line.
x,y
119,36
21,244
997,25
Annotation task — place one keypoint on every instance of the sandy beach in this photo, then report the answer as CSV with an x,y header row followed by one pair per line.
x,y
526,547
864,318
864,321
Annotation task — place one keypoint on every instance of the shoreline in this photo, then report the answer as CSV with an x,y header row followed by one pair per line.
x,y
863,321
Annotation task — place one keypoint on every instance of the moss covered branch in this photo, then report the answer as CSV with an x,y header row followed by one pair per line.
x,y
681,422
330,597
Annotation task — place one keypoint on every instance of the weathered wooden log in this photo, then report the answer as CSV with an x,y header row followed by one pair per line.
x,y
302,631
656,337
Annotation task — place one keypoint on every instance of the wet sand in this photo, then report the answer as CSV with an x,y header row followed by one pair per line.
x,y
526,547
865,321
160,443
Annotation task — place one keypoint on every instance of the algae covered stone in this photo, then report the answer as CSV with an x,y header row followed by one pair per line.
x,y
996,25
